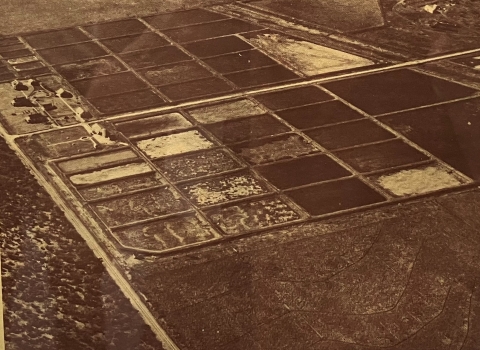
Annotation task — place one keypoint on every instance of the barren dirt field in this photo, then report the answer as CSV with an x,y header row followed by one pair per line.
x,y
26,16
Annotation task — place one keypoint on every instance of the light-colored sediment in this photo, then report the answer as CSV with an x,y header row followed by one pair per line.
x,y
306,57
110,173
174,144
418,181
226,111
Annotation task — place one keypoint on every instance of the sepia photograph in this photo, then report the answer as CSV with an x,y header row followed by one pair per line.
x,y
239,175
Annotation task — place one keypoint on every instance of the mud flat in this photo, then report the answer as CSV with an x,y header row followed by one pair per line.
x,y
173,144
109,174
305,57
140,206
198,164
412,181
225,111
253,215
175,73
97,161
226,188
58,143
275,148
119,186
91,68
166,234
152,125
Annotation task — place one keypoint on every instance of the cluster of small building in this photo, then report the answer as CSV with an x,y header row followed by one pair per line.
x,y
40,99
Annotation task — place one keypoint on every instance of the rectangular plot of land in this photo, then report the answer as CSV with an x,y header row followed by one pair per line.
x,y
63,135
349,134
109,174
4,70
335,196
155,57
253,215
319,114
56,38
196,88
183,18
28,66
217,46
418,180
131,101
96,161
9,41
9,48
245,129
199,164
449,131
59,143
302,171
293,97
71,148
64,142
15,54
223,188
120,186
381,156
115,29
239,61
178,143
7,76
396,90
226,111
72,53
32,73
20,60
140,206
306,57
168,233
91,68
152,125
275,148
175,73
136,42
262,76
109,85
210,30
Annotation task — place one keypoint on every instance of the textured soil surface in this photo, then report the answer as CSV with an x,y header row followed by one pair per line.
x,y
56,294
400,278
26,16
412,31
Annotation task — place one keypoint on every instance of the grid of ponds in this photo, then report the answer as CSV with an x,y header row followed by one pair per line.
x,y
165,59
221,170
237,166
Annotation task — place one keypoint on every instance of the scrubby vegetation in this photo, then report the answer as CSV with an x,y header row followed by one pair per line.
x,y
57,295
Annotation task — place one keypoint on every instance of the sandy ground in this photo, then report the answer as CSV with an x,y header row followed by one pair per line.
x,y
29,15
